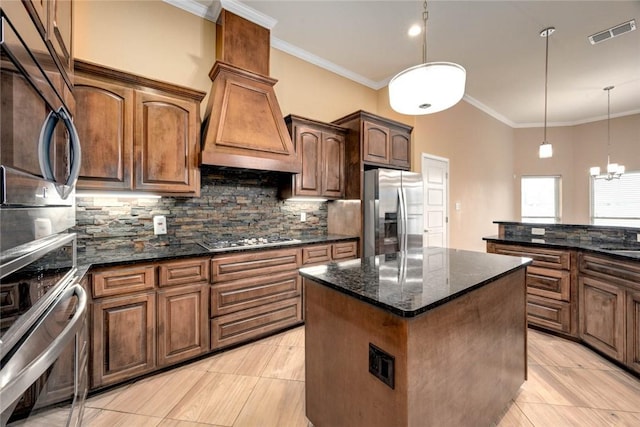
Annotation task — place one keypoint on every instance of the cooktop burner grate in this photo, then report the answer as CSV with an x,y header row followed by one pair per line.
x,y
213,243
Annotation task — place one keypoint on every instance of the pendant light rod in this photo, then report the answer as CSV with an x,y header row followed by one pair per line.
x,y
545,149
608,89
425,16
546,33
614,170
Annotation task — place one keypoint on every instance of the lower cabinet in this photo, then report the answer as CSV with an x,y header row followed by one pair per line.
x,y
602,321
551,288
134,332
183,316
610,307
254,294
124,338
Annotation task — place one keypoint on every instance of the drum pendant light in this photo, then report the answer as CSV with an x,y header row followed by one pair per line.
x,y
546,149
429,87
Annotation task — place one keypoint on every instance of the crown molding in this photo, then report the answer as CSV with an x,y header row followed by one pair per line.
x,y
209,13
286,47
249,13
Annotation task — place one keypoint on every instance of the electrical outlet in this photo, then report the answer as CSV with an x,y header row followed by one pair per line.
x,y
303,216
537,231
638,237
159,225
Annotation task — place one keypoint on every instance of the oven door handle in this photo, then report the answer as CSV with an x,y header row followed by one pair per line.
x,y
14,384
44,146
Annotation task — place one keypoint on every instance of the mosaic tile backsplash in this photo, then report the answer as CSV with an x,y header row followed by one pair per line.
x,y
233,203
585,234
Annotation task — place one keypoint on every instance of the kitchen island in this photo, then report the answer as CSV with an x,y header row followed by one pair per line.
x,y
428,337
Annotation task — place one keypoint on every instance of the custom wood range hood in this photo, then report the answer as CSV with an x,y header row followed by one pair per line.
x,y
243,126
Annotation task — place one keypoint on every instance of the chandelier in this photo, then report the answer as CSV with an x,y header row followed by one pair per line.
x,y
546,149
614,170
429,87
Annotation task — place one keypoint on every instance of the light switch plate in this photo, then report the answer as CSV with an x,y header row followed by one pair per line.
x,y
303,216
638,237
537,231
159,224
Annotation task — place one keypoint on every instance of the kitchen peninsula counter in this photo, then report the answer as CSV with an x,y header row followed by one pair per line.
x,y
430,336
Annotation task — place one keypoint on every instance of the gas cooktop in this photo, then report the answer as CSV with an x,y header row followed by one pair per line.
x,y
216,243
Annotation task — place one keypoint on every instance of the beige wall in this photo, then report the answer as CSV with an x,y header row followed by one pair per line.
x,y
575,150
480,153
149,38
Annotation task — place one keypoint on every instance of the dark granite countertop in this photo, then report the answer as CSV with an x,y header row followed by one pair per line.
x,y
413,282
617,250
159,253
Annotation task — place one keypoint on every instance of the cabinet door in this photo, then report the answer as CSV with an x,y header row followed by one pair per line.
x,y
332,163
104,114
633,330
317,254
123,280
308,144
344,250
183,272
183,323
375,143
400,149
123,338
549,283
602,316
549,313
165,144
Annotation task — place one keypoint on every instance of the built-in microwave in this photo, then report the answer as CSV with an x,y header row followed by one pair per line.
x,y
40,151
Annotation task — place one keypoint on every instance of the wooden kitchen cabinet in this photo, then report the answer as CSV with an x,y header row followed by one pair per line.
x,y
373,141
183,323
324,253
633,330
320,147
602,312
147,316
124,338
136,133
551,286
254,294
610,307
183,310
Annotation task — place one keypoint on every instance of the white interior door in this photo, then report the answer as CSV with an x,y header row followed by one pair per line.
x,y
435,175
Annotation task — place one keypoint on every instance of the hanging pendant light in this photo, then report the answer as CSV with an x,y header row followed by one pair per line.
x,y
546,149
614,170
429,87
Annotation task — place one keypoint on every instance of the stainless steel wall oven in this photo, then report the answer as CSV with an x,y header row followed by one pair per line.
x,y
43,345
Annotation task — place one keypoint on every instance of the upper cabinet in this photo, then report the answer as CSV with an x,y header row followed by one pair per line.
x,y
136,133
373,141
321,148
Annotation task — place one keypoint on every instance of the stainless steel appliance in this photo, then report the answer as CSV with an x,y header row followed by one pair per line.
x,y
43,349
215,243
393,211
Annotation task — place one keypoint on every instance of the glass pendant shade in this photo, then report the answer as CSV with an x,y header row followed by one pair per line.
x,y
427,88
545,151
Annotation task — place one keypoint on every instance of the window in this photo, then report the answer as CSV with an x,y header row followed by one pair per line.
x,y
616,202
540,199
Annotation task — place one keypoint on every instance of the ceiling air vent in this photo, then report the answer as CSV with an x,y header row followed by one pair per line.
x,y
613,32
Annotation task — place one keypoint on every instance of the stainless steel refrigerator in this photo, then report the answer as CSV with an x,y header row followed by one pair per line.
x,y
393,211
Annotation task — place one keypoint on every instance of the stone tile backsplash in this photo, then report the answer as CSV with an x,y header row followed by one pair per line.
x,y
233,203
585,234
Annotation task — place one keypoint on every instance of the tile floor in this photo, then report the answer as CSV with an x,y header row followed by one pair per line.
x,y
262,385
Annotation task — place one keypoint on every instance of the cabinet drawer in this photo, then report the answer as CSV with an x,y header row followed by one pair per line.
x,y
344,250
184,272
542,257
550,283
316,254
549,313
232,267
255,322
123,280
624,272
236,295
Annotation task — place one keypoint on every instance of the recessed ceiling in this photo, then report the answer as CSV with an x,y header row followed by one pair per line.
x,y
498,43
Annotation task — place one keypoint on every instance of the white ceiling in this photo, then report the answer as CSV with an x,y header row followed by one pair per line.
x,y
498,43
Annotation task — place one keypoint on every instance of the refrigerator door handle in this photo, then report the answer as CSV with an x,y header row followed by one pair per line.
x,y
402,231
